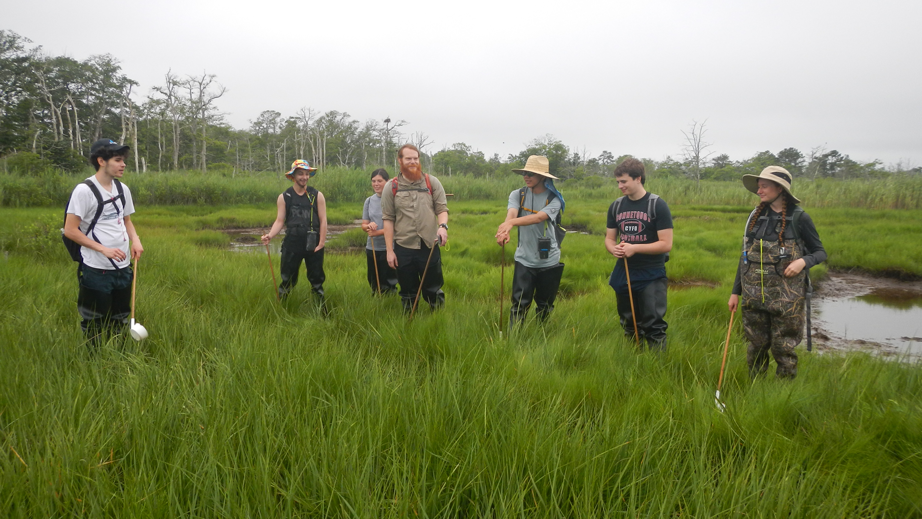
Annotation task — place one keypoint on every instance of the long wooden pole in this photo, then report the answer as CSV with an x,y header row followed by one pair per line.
x,y
630,294
275,285
423,279
502,285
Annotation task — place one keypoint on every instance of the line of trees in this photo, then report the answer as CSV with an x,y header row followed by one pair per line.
x,y
52,108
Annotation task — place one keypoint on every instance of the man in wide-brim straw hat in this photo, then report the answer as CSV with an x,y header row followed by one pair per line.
x,y
302,210
534,210
639,234
780,245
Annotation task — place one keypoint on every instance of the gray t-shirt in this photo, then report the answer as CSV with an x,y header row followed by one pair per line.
x,y
372,213
527,251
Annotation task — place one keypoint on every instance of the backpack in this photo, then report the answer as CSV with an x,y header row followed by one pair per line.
x,y
559,232
73,248
651,210
795,222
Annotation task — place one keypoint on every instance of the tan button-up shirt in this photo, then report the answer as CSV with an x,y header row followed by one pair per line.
x,y
413,210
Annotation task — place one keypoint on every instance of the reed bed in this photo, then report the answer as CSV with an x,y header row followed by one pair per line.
x,y
897,191
239,406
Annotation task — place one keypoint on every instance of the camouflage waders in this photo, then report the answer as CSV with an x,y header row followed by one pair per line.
x,y
773,305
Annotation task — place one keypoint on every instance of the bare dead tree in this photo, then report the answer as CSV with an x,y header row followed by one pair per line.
x,y
813,160
306,118
695,149
201,101
174,107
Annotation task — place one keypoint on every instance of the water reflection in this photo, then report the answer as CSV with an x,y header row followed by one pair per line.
x,y
889,317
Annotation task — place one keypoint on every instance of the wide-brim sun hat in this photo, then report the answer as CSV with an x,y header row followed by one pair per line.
x,y
537,164
301,164
776,174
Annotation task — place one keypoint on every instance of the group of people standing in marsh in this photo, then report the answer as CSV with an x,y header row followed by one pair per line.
x,y
406,220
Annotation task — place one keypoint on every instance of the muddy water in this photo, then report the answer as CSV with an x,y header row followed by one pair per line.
x,y
248,240
856,311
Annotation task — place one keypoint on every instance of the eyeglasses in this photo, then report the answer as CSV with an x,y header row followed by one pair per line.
x,y
529,175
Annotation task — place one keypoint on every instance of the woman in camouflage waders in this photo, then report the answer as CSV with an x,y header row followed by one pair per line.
x,y
780,245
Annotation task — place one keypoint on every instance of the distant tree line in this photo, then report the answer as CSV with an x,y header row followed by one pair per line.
x,y
52,108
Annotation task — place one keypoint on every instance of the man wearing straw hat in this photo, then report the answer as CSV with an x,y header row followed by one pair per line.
x,y
302,210
98,219
534,209
639,232
415,214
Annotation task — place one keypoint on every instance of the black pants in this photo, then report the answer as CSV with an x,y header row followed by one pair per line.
x,y
386,275
650,307
104,301
540,284
292,256
411,263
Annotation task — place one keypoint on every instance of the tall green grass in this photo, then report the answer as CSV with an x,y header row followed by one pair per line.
x,y
239,406
352,185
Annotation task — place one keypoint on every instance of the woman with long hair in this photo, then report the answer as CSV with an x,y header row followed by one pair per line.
x,y
382,278
780,244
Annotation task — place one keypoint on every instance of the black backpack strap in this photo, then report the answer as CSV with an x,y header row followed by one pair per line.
x,y
99,203
651,206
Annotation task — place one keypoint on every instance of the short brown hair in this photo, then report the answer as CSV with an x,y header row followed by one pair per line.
x,y
407,146
631,167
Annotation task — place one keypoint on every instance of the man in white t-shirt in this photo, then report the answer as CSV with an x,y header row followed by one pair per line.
x,y
105,275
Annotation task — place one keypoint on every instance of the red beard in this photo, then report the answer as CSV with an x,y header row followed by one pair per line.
x,y
412,172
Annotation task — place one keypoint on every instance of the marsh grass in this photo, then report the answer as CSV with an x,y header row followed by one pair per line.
x,y
239,406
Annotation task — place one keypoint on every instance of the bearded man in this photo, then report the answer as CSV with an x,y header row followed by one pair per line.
x,y
415,214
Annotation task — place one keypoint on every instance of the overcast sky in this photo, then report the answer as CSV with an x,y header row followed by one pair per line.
x,y
626,77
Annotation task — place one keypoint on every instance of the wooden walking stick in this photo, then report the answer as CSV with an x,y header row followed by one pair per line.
x,y
502,284
630,294
723,363
423,279
271,269
374,258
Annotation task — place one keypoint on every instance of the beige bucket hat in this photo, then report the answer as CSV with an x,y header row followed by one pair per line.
x,y
537,164
776,174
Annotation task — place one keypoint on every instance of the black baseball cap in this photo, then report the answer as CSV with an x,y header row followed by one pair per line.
x,y
108,145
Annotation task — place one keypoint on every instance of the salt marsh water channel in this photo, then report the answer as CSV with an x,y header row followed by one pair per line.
x,y
248,240
859,312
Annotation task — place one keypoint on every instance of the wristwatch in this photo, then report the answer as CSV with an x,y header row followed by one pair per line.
x,y
444,226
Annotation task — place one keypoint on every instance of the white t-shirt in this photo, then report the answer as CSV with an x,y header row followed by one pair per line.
x,y
110,229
